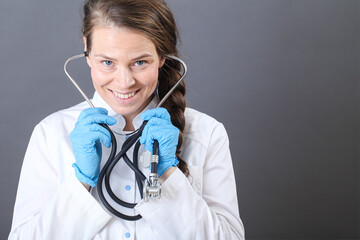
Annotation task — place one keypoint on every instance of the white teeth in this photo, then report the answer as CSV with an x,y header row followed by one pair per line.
x,y
124,96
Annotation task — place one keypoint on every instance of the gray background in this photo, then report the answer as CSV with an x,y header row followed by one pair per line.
x,y
282,75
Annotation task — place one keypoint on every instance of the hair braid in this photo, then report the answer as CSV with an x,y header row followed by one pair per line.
x,y
175,104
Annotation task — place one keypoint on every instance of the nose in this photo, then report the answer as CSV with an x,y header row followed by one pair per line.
x,y
124,78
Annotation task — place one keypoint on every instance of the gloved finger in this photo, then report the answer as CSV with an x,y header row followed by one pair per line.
x,y
90,111
156,112
99,136
151,123
149,141
98,118
97,128
163,133
86,136
167,137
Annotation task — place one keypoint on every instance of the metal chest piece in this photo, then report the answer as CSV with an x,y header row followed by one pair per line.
x,y
152,187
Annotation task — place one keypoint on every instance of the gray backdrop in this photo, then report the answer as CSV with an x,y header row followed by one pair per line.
x,y
282,75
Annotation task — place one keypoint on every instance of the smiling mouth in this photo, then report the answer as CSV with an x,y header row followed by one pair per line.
x,y
124,96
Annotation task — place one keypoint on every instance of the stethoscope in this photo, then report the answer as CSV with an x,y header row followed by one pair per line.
x,y
149,188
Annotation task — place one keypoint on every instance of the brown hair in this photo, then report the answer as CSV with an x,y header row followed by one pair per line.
x,y
154,19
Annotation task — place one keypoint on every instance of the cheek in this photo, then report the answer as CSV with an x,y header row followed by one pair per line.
x,y
98,77
151,77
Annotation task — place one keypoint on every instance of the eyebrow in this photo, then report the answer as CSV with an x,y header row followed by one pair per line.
x,y
142,56
104,56
113,59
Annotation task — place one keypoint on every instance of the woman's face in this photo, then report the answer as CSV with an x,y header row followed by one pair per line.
x,y
124,68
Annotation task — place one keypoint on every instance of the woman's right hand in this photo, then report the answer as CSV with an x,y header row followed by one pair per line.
x,y
85,140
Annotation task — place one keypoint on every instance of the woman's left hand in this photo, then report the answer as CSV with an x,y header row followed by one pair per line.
x,y
160,128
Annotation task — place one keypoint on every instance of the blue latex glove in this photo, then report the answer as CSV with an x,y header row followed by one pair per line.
x,y
159,127
85,140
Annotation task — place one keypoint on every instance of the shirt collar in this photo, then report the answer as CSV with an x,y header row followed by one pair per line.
x,y
98,101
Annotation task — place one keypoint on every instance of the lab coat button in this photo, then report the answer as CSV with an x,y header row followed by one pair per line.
x,y
127,235
128,187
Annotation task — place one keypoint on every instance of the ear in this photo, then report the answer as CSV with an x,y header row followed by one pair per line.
x,y
162,61
85,50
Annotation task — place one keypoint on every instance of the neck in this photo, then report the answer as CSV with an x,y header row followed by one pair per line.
x,y
129,125
129,118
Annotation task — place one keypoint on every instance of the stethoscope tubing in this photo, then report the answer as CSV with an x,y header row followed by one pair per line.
x,y
129,142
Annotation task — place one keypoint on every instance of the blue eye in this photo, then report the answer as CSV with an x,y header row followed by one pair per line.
x,y
139,63
107,63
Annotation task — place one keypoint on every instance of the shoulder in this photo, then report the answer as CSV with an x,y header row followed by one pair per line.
x,y
195,120
62,122
65,115
201,127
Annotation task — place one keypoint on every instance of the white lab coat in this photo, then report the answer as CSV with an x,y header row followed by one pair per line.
x,y
52,204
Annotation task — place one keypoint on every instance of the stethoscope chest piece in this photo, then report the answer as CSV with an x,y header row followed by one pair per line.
x,y
152,189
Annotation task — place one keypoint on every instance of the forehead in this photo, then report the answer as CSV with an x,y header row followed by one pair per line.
x,y
120,41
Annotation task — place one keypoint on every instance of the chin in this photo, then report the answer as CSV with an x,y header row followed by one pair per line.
x,y
123,112
126,112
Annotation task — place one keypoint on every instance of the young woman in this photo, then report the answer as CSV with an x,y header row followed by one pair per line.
x,y
127,44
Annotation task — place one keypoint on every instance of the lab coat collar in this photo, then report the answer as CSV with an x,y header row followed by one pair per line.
x,y
98,101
